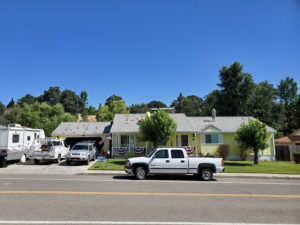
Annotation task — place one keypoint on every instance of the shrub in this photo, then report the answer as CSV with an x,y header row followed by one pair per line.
x,y
296,156
224,151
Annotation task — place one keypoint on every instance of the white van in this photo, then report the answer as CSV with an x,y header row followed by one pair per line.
x,y
17,142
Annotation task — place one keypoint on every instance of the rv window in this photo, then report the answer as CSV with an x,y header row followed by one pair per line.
x,y
15,138
28,138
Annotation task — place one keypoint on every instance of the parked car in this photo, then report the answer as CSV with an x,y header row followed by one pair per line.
x,y
51,150
81,152
173,161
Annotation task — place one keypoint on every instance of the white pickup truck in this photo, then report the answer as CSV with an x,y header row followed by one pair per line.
x,y
173,161
51,150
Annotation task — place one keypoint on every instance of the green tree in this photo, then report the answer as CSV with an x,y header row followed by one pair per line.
x,y
83,101
29,99
178,103
44,116
235,90
113,98
190,105
13,115
210,102
11,104
297,113
262,105
156,104
70,102
252,136
157,128
51,96
107,113
138,108
2,108
288,99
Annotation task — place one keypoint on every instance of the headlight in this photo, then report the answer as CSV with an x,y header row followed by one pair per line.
x,y
128,164
84,154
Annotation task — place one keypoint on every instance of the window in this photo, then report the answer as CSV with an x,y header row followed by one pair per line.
x,y
15,138
176,154
212,138
28,138
124,141
184,140
162,154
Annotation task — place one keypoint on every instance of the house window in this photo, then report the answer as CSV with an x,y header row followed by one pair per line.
x,y
124,141
212,139
15,138
184,140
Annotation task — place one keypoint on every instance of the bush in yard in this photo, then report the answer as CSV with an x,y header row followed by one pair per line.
x,y
157,128
252,136
296,156
224,151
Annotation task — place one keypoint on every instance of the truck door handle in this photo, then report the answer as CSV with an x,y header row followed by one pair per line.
x,y
167,161
182,161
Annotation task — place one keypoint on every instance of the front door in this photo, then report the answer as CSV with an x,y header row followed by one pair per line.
x,y
160,162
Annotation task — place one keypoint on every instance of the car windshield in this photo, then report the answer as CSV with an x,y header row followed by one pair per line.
x,y
80,147
151,153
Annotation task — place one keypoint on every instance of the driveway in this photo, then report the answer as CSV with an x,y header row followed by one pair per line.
x,y
45,168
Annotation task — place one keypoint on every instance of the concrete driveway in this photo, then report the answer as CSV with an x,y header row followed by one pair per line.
x,y
45,168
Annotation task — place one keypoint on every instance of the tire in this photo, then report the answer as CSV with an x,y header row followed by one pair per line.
x,y
94,158
206,174
87,161
36,161
3,162
68,162
140,173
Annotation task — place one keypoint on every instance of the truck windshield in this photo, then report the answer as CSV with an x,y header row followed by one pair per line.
x,y
80,147
151,153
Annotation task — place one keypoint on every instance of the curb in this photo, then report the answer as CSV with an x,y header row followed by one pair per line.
x,y
217,175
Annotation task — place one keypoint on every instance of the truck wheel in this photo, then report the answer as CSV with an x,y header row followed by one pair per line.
x,y
68,162
3,162
140,173
206,174
36,161
87,161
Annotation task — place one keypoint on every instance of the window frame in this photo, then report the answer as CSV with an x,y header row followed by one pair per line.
x,y
177,150
13,138
126,144
155,155
212,143
185,140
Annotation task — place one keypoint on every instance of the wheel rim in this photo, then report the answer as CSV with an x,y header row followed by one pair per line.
x,y
141,174
206,175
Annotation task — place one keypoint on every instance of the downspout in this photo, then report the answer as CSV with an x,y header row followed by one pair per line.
x,y
274,149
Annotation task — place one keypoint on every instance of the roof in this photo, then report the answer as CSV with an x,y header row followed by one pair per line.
x,y
290,139
229,124
128,123
82,128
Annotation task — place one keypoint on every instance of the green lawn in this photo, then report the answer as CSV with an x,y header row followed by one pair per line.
x,y
230,166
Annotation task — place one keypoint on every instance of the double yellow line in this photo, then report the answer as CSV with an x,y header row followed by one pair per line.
x,y
150,194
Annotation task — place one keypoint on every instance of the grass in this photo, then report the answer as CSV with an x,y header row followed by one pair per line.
x,y
230,166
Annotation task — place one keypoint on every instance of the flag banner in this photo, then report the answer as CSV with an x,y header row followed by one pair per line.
x,y
189,149
139,150
121,150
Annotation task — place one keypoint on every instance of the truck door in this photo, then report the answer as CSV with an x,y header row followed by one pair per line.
x,y
160,162
178,163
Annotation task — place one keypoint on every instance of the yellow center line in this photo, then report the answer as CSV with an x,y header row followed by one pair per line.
x,y
150,194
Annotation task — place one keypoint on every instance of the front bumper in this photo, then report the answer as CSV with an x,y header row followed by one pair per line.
x,y
77,159
128,170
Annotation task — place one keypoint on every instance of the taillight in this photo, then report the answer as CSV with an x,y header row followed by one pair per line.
x,y
222,162
4,151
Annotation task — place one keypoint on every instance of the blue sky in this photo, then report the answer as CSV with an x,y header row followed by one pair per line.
x,y
143,50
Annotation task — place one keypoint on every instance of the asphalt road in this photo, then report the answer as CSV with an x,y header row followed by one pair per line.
x,y
87,199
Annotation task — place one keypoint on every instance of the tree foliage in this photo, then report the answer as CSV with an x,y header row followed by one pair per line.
x,y
112,98
107,113
138,108
29,99
157,128
156,104
190,105
44,116
2,108
252,136
11,104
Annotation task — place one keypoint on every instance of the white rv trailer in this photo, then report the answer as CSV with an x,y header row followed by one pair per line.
x,y
16,141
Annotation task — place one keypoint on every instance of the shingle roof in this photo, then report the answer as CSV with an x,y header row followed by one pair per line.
x,y
128,123
82,128
222,123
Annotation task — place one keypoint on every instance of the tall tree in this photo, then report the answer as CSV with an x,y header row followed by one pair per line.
x,y
138,108
288,98
178,103
210,102
252,136
29,99
107,113
113,98
235,90
83,101
156,104
2,108
70,101
11,104
158,128
51,96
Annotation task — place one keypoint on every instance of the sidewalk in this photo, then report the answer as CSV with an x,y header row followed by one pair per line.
x,y
216,175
